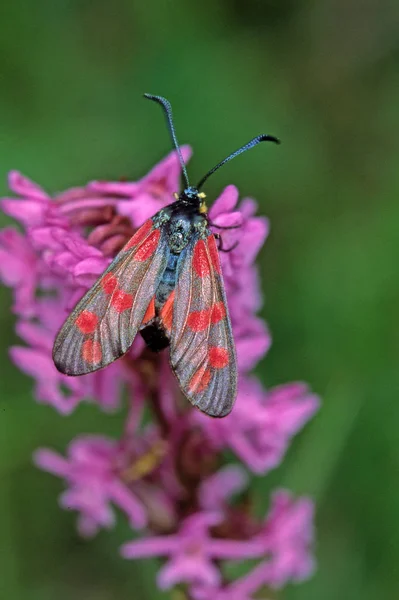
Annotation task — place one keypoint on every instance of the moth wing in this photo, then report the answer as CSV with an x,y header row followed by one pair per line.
x,y
104,323
202,351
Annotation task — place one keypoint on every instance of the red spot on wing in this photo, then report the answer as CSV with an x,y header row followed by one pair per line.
x,y
109,283
213,251
140,235
167,312
148,247
218,312
218,357
199,320
150,312
91,352
121,301
200,380
87,321
200,259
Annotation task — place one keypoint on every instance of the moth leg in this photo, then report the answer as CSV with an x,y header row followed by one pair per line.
x,y
220,240
224,226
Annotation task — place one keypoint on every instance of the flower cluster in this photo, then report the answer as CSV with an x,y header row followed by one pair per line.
x,y
170,477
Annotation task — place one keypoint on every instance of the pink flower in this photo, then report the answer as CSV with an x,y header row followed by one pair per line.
x,y
215,491
33,207
242,244
52,387
248,230
191,551
68,256
92,473
262,424
19,269
288,537
136,200
241,589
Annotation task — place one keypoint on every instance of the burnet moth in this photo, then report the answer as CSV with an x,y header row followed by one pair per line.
x,y
167,284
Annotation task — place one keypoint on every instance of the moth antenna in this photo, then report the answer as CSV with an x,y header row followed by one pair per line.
x,y
169,119
260,138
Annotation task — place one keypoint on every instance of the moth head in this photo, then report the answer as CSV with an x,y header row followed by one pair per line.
x,y
190,195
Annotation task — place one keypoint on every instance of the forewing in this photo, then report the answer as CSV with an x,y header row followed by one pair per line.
x,y
103,325
202,351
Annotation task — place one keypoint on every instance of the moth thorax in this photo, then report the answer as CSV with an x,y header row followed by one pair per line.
x,y
179,235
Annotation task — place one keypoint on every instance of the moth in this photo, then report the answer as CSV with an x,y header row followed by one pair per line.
x,y
166,284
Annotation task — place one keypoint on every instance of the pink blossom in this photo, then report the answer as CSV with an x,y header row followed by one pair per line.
x,y
216,490
248,230
191,551
138,200
242,244
288,537
241,589
91,471
19,269
33,207
52,387
262,423
252,340
68,256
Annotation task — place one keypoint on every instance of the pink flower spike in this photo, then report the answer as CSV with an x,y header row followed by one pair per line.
x,y
163,476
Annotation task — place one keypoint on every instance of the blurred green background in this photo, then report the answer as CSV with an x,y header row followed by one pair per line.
x,y
324,77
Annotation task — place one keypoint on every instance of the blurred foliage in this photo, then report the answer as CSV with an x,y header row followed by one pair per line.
x,y
324,77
